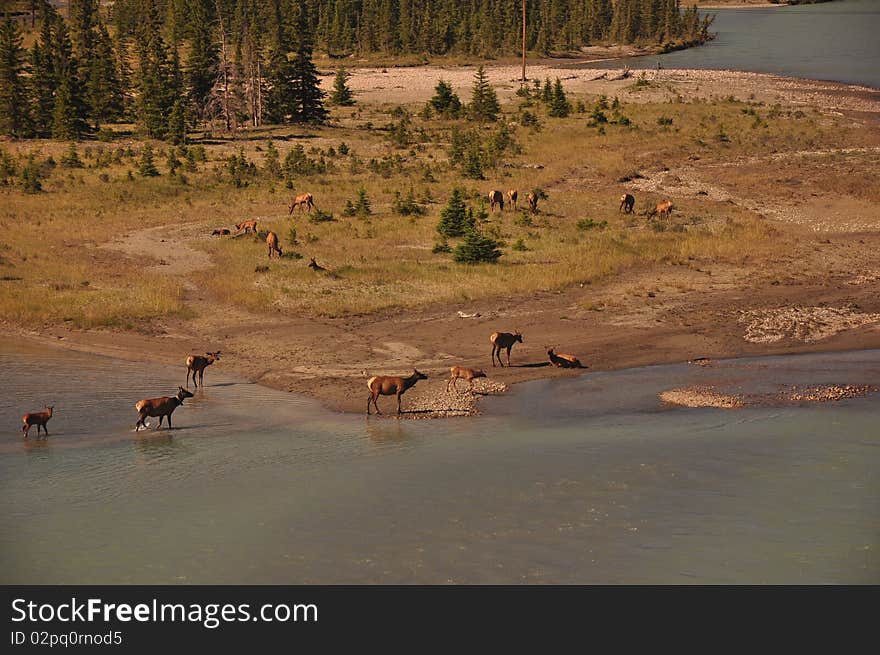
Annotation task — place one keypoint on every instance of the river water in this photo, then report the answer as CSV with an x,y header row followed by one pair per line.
x,y
837,41
587,480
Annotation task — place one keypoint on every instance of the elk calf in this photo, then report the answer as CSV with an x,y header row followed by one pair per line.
x,y
315,266
468,374
247,226
385,385
562,360
198,364
511,198
160,407
663,209
496,198
627,202
533,202
503,340
302,200
36,418
220,232
272,242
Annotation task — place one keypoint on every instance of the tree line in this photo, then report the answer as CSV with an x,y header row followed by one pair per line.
x,y
170,64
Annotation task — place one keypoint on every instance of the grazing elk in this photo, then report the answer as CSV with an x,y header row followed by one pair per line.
x,y
533,202
160,407
503,340
562,360
36,418
302,200
496,198
220,232
247,226
663,209
468,374
627,203
272,243
385,385
198,364
315,266
511,198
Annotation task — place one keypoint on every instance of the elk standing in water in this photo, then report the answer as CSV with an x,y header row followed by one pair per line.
x,y
503,340
385,385
496,198
562,360
160,407
272,242
36,418
198,364
533,202
247,226
468,374
511,198
627,202
302,200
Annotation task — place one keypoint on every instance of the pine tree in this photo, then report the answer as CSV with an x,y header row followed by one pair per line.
x,y
559,105
445,102
454,219
69,110
477,248
202,60
342,95
306,85
13,120
272,163
104,93
146,164
484,102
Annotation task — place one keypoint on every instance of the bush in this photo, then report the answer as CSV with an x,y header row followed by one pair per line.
x,y
589,224
317,216
454,219
71,158
445,102
519,246
146,165
441,246
476,249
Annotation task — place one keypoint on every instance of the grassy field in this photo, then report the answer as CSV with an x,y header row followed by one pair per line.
x,y
58,263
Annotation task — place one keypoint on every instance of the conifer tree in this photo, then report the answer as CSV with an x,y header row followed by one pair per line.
x,y
306,85
202,60
342,95
484,102
476,248
104,93
69,110
559,105
146,164
13,120
454,219
445,102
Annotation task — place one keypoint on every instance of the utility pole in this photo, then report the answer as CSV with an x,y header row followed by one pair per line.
x,y
524,40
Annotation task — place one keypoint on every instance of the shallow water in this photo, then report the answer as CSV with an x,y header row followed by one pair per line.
x,y
589,480
827,41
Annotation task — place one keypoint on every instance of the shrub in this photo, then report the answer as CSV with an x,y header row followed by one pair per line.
x,y
519,246
146,165
454,219
589,224
71,157
476,248
445,102
317,216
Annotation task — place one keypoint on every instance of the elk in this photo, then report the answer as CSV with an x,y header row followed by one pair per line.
x,y
247,226
302,200
468,374
627,202
160,407
220,232
503,340
561,360
511,198
36,418
386,385
663,209
272,243
496,198
198,364
315,266
533,202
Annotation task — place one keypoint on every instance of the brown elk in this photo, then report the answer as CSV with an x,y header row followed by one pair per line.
x,y
385,385
663,209
302,200
561,360
503,340
197,364
160,407
272,243
496,198
533,202
627,202
468,374
220,232
36,418
247,226
315,266
511,198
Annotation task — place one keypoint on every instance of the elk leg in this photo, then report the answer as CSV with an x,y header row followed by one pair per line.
x,y
369,399
27,429
161,416
169,422
508,356
202,378
376,404
398,405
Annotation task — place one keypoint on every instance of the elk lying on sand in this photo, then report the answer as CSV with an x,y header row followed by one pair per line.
x,y
561,360
247,226
468,374
198,364
496,198
627,202
533,202
385,385
503,340
302,200
272,243
663,209
511,198
36,418
220,232
160,407
315,266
